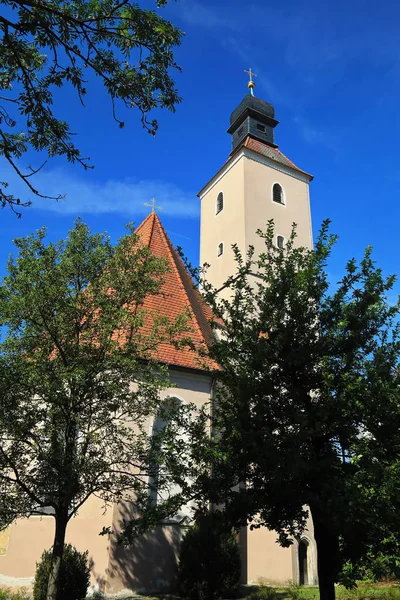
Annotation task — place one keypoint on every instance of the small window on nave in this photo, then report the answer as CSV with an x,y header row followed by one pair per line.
x,y
220,203
277,194
220,250
280,242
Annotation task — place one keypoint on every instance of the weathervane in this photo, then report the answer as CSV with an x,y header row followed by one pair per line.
x,y
152,203
251,85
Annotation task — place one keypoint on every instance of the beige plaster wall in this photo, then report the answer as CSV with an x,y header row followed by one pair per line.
x,y
29,537
247,187
267,562
228,226
259,207
150,564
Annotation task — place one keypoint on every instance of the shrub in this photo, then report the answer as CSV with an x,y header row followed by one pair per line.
x,y
209,560
392,593
264,593
74,575
294,591
7,594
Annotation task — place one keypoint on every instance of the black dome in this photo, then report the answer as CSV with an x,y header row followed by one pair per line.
x,y
254,103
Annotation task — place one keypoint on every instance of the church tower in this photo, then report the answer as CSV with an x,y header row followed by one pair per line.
x,y
257,183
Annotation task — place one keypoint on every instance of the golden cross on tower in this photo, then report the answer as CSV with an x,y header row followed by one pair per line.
x,y
251,85
152,203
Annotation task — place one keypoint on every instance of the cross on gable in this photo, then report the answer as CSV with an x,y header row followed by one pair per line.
x,y
153,205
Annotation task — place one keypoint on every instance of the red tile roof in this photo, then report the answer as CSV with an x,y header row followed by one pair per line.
x,y
178,295
270,152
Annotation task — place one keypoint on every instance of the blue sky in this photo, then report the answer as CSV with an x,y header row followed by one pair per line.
x,y
332,71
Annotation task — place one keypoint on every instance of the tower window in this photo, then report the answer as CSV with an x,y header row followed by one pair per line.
x,y
277,194
220,203
280,242
220,249
240,132
261,127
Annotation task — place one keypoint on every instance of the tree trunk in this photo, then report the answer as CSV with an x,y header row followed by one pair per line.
x,y
327,554
58,549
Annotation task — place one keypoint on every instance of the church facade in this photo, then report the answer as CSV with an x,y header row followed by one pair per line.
x,y
255,184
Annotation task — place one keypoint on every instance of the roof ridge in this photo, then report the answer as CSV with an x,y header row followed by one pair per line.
x,y
174,256
139,229
249,142
178,294
193,296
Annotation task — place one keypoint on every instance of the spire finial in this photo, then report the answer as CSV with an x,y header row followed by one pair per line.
x,y
251,85
152,203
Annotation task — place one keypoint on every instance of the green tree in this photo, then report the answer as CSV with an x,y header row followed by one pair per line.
x,y
74,575
47,44
307,403
78,381
209,560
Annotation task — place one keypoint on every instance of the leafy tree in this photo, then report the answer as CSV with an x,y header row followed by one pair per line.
x,y
47,44
209,560
74,575
307,404
79,383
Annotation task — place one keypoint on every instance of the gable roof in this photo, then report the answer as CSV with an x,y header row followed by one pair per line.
x,y
261,148
178,295
269,152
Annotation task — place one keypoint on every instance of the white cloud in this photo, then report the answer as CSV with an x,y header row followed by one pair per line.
x,y
199,15
313,135
87,195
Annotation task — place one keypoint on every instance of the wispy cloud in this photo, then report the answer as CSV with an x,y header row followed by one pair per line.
x,y
289,40
208,17
87,195
314,135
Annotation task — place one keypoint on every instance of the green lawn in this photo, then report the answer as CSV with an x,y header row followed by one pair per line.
x,y
364,591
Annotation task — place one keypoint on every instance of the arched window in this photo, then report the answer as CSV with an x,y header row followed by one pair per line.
x,y
220,203
162,422
162,483
277,194
280,242
220,249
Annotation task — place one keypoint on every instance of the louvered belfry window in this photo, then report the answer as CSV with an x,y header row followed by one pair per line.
x,y
280,242
220,249
220,202
277,193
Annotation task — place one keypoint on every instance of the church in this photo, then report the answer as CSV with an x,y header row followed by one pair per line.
x,y
256,183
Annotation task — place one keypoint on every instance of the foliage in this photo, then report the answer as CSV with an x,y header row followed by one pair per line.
x,y
209,560
74,575
294,591
46,45
7,594
307,405
375,566
79,383
264,593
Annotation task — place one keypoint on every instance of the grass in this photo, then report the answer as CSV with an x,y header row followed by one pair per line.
x,y
363,591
